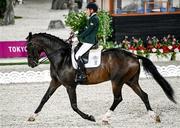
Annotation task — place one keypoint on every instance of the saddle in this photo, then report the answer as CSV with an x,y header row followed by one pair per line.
x,y
91,59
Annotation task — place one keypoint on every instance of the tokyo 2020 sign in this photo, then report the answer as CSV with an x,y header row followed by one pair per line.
x,y
11,49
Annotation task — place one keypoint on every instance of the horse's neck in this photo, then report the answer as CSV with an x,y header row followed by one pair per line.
x,y
57,51
60,62
60,55
50,47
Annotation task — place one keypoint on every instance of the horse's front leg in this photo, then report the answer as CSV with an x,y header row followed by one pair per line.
x,y
54,84
73,100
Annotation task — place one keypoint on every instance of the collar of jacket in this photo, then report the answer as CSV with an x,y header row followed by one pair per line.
x,y
92,15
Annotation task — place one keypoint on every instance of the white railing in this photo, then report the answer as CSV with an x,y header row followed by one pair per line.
x,y
44,76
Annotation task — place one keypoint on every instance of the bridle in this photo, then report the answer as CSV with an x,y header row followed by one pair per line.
x,y
32,50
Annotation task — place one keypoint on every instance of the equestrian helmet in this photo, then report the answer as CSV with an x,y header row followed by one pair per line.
x,y
93,6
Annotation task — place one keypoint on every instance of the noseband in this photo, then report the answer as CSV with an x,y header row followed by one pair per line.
x,y
30,55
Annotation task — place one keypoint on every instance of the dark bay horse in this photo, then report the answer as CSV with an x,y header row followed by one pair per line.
x,y
117,65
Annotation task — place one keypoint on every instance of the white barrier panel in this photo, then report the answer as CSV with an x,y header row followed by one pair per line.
x,y
166,71
44,76
25,77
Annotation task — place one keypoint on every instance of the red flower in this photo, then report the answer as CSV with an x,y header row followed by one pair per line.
x,y
132,48
149,47
179,47
140,48
158,46
165,49
174,46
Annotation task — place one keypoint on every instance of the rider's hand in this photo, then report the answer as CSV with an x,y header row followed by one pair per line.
x,y
75,42
75,39
76,32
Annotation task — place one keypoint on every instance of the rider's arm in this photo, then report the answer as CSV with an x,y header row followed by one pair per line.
x,y
93,23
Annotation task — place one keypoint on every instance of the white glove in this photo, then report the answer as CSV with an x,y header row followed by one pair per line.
x,y
75,42
75,39
76,32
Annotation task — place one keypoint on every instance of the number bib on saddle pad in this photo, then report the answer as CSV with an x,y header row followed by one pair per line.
x,y
91,59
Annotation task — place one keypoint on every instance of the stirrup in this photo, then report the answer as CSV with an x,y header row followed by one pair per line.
x,y
80,78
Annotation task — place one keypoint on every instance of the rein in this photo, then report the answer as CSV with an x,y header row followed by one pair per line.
x,y
43,60
50,55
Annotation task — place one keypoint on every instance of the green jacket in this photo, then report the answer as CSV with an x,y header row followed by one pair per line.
x,y
88,35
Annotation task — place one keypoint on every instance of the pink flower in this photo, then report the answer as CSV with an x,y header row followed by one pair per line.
x,y
170,47
169,36
135,40
165,39
176,50
154,49
174,39
161,50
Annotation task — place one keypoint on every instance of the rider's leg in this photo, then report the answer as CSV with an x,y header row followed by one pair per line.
x,y
80,73
83,49
81,76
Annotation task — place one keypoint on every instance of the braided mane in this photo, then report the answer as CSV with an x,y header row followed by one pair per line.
x,y
52,38
49,36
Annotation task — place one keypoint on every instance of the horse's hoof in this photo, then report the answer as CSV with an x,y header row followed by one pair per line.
x,y
105,122
158,120
31,119
91,118
154,117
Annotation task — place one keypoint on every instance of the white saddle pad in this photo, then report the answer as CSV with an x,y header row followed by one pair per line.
x,y
94,59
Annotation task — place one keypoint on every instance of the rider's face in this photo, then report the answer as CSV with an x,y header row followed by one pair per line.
x,y
89,11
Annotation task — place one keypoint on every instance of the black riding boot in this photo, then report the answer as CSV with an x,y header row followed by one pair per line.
x,y
80,74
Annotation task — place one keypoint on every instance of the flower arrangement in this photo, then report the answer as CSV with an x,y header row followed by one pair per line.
x,y
161,47
164,47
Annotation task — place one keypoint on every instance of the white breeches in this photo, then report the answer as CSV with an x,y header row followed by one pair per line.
x,y
83,49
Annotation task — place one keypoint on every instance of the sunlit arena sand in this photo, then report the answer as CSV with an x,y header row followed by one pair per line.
x,y
18,102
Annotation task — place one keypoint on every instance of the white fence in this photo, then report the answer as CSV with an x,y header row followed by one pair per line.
x,y
44,76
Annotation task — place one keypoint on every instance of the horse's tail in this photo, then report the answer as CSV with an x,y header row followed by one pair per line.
x,y
151,69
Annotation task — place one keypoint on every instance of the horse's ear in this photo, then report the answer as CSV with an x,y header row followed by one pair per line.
x,y
29,36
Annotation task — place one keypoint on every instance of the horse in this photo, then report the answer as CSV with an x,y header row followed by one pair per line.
x,y
117,65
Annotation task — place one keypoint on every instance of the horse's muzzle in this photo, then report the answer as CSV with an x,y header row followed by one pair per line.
x,y
32,63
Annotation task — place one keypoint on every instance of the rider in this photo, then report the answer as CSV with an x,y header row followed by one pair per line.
x,y
87,38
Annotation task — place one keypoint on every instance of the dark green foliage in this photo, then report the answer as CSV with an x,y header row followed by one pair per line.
x,y
76,21
2,7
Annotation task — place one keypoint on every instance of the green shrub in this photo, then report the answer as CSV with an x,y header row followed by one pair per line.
x,y
2,7
105,29
76,21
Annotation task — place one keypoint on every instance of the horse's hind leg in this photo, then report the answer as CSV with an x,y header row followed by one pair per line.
x,y
116,88
144,97
54,84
